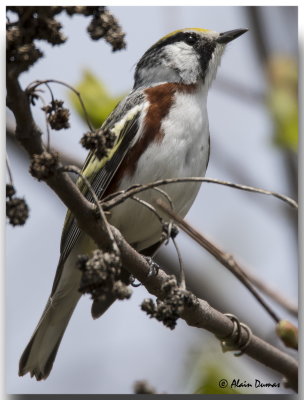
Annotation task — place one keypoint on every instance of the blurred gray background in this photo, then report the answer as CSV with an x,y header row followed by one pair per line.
x,y
108,355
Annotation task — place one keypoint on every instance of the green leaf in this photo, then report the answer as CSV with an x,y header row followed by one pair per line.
x,y
283,100
98,102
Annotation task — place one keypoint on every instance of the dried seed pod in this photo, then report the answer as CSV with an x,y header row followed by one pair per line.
x,y
100,142
101,276
57,115
17,211
168,310
44,165
105,25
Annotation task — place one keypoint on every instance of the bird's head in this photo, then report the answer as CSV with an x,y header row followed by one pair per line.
x,y
189,56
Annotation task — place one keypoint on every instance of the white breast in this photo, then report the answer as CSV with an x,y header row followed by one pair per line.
x,y
183,152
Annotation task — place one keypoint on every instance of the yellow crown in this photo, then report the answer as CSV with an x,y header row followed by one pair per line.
x,y
185,30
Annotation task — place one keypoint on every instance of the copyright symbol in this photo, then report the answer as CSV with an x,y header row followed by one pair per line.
x,y
223,383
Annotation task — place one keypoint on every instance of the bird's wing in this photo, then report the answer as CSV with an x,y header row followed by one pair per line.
x,y
124,123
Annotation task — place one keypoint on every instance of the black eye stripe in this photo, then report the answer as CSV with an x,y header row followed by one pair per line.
x,y
178,37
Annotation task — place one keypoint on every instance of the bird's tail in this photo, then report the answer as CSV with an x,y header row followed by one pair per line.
x,y
39,355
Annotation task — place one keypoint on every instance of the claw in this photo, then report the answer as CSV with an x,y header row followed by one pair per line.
x,y
154,268
133,283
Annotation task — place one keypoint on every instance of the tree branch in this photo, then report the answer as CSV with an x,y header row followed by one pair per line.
x,y
27,132
206,317
199,315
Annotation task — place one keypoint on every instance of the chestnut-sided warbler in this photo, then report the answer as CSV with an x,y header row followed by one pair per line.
x,y
161,131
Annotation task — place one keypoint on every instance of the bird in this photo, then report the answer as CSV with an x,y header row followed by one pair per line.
x,y
162,131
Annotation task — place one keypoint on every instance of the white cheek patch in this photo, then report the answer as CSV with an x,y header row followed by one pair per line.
x,y
185,61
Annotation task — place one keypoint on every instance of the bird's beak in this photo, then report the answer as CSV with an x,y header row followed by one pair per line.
x,y
226,37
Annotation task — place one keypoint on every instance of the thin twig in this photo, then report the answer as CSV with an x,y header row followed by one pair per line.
x,y
182,278
165,194
10,175
272,293
123,195
50,90
149,207
48,134
226,259
47,122
37,83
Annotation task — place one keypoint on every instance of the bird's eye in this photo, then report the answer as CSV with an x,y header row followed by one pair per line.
x,y
190,39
